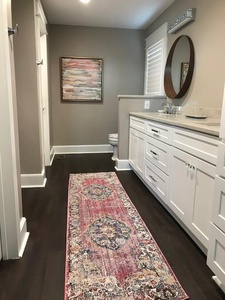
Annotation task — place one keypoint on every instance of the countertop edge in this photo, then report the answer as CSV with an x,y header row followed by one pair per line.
x,y
182,122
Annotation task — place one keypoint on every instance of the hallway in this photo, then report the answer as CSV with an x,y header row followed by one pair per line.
x,y
39,274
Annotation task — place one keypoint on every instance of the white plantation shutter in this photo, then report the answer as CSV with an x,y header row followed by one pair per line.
x,y
155,67
156,52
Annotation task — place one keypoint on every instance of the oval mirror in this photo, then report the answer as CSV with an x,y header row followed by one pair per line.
x,y
179,67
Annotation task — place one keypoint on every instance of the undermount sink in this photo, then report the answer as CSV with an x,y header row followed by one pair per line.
x,y
211,124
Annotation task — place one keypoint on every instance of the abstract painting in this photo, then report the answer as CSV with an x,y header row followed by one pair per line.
x,y
81,79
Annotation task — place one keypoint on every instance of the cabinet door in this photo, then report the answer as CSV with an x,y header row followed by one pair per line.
x,y
202,178
218,210
180,184
140,152
216,253
133,148
221,160
136,150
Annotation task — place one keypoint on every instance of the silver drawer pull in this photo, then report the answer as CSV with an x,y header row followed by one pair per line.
x,y
156,132
154,154
152,178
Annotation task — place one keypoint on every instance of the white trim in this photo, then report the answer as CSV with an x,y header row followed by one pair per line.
x,y
12,237
79,149
137,97
219,283
122,165
24,236
52,155
33,180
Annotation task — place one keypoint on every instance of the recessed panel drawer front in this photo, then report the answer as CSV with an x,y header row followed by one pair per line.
x,y
158,154
218,214
221,160
137,123
200,145
216,253
156,180
158,131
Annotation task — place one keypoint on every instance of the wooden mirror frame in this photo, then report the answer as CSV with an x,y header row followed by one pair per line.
x,y
168,82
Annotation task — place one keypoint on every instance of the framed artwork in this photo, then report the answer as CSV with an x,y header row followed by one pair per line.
x,y
184,71
81,79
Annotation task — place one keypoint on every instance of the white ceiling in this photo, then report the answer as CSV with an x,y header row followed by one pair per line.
x,y
131,14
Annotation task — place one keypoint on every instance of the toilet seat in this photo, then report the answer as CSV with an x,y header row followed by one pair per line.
x,y
113,141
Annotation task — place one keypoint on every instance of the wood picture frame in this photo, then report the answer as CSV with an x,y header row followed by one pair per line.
x,y
81,79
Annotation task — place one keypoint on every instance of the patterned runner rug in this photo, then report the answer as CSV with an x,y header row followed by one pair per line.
x,y
110,252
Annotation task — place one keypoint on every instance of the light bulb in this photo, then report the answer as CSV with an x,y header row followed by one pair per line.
x,y
85,1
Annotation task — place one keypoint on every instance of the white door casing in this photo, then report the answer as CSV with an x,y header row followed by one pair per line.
x,y
12,225
42,82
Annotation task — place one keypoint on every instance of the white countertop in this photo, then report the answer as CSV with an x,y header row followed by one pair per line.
x,y
210,125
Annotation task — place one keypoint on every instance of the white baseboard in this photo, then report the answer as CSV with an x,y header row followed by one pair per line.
x,y
122,165
24,235
79,149
219,283
33,180
52,155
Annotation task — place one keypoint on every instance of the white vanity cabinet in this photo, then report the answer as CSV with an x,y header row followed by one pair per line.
x,y
178,165
137,145
192,180
191,193
216,251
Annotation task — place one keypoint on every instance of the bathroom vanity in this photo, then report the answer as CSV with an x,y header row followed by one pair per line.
x,y
176,159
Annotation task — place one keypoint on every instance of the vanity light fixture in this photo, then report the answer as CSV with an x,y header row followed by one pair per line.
x,y
185,18
85,1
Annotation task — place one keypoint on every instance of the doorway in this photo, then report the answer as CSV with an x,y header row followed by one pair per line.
x,y
42,70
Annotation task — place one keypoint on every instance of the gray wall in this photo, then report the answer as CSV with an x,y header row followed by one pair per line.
x,y
122,52
26,87
207,34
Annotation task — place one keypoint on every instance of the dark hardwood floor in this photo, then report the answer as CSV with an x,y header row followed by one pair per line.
x,y
39,274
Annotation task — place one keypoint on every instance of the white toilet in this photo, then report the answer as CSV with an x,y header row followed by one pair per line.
x,y
113,141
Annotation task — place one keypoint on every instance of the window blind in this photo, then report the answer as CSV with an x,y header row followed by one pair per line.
x,y
156,51
155,68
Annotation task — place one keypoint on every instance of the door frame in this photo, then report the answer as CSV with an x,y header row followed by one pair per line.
x,y
13,229
42,82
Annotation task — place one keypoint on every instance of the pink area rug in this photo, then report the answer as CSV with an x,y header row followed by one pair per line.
x,y
110,252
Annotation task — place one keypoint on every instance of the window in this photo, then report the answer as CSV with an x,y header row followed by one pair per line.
x,y
156,52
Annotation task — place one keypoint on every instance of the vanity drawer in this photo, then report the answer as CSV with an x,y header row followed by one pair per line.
x,y
218,213
216,253
197,144
158,131
156,180
221,160
137,123
158,154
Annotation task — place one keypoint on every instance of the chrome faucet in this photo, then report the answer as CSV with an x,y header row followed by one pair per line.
x,y
170,108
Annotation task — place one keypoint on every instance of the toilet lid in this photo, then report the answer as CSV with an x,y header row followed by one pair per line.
x,y
113,135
